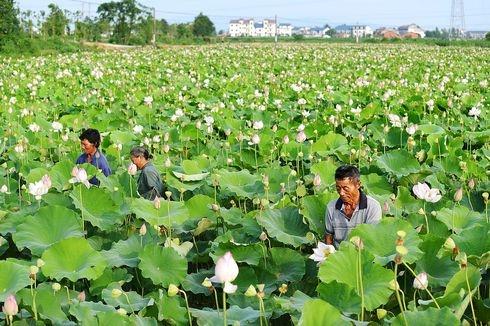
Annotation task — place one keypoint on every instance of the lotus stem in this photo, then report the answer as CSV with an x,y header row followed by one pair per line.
x,y
426,219
81,208
225,323
415,299
471,296
426,288
187,305
359,274
169,221
67,294
398,295
129,303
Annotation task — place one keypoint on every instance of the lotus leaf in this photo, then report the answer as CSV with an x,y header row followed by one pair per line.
x,y
169,211
286,225
319,312
398,162
431,316
13,277
162,265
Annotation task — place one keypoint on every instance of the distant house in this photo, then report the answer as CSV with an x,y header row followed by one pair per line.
x,y
285,30
386,33
266,28
412,28
354,31
476,35
241,27
411,35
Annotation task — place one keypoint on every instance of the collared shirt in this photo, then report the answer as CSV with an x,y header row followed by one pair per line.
x,y
99,161
337,223
149,182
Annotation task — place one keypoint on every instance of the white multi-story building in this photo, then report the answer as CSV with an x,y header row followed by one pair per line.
x,y
354,31
412,28
266,28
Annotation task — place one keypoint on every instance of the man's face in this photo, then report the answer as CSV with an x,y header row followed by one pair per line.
x,y
348,189
88,147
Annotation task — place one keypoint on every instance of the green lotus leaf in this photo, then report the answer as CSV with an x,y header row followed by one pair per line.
x,y
438,147
458,219
13,277
198,206
48,304
50,225
474,240
173,182
251,254
313,210
430,129
162,265
122,137
380,239
440,270
112,318
235,315
142,321
286,225
4,245
329,144
431,316
36,174
398,162
86,310
241,183
190,177
129,301
171,309
376,184
126,252
341,296
60,174
97,206
74,259
460,281
405,202
342,268
287,265
319,312
109,276
169,212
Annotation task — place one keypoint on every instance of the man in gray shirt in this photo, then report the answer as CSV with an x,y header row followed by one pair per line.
x,y
351,209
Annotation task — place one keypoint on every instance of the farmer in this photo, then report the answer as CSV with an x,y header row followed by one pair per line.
x,y
150,185
351,209
90,141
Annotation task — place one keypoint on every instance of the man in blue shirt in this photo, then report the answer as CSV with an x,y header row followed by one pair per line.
x,y
90,141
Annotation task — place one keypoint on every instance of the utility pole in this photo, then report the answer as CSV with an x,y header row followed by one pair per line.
x,y
275,30
154,38
457,27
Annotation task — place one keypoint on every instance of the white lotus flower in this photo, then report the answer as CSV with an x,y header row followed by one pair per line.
x,y
412,129
138,129
423,191
321,252
257,125
421,281
132,169
285,139
226,269
255,140
179,113
209,120
34,127
57,127
230,288
317,180
301,101
4,189
40,188
474,112
79,175
395,120
301,137
148,100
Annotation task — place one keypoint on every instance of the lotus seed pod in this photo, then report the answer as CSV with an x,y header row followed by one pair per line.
x,y
381,313
401,234
33,270
310,236
122,311
449,244
393,285
251,292
263,236
207,283
458,195
485,197
168,194
421,211
264,202
256,201
215,207
357,241
56,287
143,229
283,288
172,290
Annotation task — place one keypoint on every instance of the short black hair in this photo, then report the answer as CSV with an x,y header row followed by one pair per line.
x,y
141,151
347,171
92,135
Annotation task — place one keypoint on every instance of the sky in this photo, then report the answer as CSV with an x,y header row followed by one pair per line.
x,y
377,13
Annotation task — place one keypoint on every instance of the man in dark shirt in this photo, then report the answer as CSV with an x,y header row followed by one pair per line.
x,y
90,141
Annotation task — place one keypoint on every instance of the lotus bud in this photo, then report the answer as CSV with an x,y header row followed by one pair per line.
x,y
421,211
393,285
421,281
421,155
172,290
471,183
285,139
122,311
410,143
81,296
166,148
317,180
10,307
168,163
143,229
433,213
116,293
168,194
166,136
293,173
381,313
458,195
283,288
251,292
56,287
263,236
132,169
207,283
215,207
386,207
462,166
357,242
265,180
39,262
485,197
157,202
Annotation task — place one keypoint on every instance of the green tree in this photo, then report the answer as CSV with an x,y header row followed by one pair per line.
x,y
56,23
9,22
203,26
183,30
123,16
487,36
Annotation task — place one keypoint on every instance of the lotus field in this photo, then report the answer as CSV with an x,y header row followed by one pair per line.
x,y
247,140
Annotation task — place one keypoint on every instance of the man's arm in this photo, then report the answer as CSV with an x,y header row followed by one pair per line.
x,y
328,239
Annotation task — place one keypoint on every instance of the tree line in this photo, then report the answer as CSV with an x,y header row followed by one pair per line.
x,y
121,22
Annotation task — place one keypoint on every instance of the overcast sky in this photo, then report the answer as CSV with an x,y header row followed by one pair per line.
x,y
390,13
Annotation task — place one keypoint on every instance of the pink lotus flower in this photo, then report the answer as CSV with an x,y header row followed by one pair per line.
x,y
317,180
423,191
226,269
301,137
132,169
421,281
79,175
41,187
10,307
